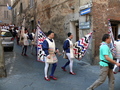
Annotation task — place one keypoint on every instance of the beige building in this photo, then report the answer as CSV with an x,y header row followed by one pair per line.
x,y
61,16
5,14
21,9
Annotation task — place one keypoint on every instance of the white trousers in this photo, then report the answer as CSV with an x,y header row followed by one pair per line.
x,y
118,60
46,68
71,62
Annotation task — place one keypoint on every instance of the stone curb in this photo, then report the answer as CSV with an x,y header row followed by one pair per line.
x,y
2,63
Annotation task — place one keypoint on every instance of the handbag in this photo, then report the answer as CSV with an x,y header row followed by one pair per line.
x,y
64,55
111,66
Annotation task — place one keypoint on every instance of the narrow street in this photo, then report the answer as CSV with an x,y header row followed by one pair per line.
x,y
25,73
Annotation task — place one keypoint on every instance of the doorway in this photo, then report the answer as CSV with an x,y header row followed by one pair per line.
x,y
32,25
74,29
115,30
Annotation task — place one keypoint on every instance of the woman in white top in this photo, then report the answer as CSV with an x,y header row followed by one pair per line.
x,y
25,43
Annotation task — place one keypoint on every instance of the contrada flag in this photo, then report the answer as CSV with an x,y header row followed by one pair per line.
x,y
112,46
40,37
81,46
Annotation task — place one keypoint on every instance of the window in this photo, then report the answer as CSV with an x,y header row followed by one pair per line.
x,y
31,3
114,25
21,8
6,16
6,34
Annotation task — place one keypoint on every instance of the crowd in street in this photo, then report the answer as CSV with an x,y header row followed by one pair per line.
x,y
27,39
50,50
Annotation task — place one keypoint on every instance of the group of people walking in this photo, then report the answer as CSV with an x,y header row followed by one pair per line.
x,y
105,54
50,49
25,40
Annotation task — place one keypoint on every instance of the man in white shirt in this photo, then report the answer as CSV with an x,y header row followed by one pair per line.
x,y
117,56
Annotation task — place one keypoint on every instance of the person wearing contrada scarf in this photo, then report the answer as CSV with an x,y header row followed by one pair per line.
x,y
106,64
68,51
50,49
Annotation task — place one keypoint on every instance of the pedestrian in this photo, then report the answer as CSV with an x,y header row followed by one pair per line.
x,y
50,58
117,56
25,43
68,50
18,36
31,37
106,64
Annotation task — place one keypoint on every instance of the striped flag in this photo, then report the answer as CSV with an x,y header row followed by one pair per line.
x,y
9,7
39,38
81,46
22,33
112,45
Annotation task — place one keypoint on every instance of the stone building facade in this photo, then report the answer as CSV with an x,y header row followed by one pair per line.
x,y
21,9
63,16
5,14
102,11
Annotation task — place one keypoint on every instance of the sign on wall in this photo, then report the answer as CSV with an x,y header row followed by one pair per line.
x,y
86,11
85,6
84,25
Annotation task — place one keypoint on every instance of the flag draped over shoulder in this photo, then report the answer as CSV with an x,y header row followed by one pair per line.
x,y
22,33
23,28
81,46
39,38
111,35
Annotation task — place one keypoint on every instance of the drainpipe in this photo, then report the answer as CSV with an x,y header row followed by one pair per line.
x,y
2,60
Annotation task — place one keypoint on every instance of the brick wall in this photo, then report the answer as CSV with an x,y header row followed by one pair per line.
x,y
102,11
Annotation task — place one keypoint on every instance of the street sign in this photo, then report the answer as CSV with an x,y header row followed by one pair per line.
x,y
86,6
84,25
86,11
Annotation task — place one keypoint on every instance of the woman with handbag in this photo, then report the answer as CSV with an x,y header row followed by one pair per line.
x,y
50,58
68,51
25,43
